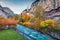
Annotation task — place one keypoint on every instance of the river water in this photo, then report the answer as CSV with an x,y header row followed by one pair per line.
x,y
31,34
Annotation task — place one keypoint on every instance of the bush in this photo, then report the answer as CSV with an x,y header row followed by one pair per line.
x,y
2,27
29,24
47,24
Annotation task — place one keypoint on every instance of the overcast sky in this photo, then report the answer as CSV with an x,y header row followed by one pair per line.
x,y
17,6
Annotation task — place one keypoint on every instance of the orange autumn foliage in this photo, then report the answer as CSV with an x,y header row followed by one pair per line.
x,y
25,16
6,21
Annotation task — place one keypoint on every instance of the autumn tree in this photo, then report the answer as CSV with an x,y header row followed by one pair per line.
x,y
39,12
16,17
36,23
39,15
25,17
21,19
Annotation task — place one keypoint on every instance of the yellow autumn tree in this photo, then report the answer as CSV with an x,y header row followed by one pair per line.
x,y
39,15
39,12
25,16
47,23
36,23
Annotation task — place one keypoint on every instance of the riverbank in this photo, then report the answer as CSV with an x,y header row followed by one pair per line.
x,y
51,33
10,34
55,35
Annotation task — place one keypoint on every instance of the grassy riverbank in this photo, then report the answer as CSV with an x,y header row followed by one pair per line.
x,y
10,34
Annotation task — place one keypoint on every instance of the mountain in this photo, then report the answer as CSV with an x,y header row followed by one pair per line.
x,y
51,7
53,14
47,4
6,12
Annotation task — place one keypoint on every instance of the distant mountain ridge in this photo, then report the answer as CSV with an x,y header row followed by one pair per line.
x,y
6,12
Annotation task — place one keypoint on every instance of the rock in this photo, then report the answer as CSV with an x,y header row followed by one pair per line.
x,y
52,8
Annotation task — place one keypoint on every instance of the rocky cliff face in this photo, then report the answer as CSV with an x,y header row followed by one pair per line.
x,y
52,8
47,4
6,12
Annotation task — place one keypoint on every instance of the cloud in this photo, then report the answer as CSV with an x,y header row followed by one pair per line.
x,y
14,8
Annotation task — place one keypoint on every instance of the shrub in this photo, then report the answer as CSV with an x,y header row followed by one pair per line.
x,y
47,23
29,24
2,27
43,24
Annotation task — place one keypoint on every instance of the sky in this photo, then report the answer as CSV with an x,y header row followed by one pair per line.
x,y
17,6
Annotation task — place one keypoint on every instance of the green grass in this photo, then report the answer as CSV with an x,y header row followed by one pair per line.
x,y
10,34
